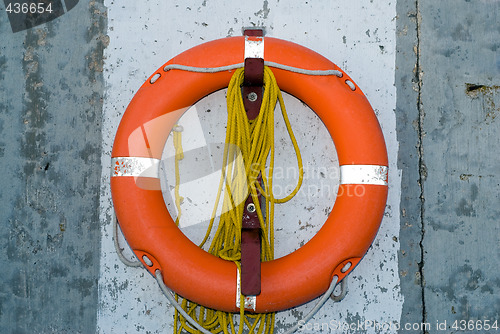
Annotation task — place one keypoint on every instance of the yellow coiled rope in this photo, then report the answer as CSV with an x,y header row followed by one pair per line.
x,y
247,148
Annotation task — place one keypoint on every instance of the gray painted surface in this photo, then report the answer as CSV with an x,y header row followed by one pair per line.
x,y
407,113
50,116
459,48
448,84
448,79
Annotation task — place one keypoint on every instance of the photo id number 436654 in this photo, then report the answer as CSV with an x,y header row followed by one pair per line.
x,y
475,325
32,8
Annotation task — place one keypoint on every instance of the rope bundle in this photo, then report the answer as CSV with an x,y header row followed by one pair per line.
x,y
248,145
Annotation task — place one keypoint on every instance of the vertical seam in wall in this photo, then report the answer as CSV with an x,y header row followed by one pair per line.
x,y
421,165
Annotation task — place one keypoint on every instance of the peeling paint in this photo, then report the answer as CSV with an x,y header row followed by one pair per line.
x,y
460,150
129,61
49,229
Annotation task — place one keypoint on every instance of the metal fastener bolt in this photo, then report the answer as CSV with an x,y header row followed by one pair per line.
x,y
252,97
251,208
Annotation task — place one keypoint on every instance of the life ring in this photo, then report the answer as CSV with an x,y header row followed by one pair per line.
x,y
199,276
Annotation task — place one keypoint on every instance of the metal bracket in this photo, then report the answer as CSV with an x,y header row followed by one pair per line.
x,y
252,100
250,250
254,72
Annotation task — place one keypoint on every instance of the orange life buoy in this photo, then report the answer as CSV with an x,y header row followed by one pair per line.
x,y
199,276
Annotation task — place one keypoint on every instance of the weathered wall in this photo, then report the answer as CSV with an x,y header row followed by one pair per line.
x,y
431,70
130,298
459,103
448,68
50,122
407,113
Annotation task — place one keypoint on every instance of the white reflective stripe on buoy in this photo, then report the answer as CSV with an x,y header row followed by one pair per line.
x,y
254,47
135,166
363,174
250,301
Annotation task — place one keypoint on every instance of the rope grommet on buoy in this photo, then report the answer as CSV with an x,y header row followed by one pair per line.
x,y
192,272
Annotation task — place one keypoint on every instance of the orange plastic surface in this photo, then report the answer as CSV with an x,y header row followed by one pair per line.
x,y
203,278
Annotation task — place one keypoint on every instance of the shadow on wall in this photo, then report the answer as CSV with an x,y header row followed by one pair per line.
x,y
27,14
